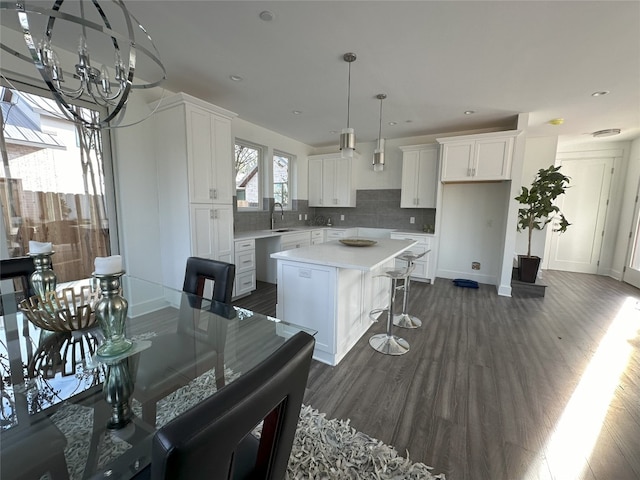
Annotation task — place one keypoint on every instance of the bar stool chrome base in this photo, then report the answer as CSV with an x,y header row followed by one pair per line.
x,y
389,344
404,320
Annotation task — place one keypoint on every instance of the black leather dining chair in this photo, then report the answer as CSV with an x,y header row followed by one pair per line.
x,y
213,440
175,359
18,268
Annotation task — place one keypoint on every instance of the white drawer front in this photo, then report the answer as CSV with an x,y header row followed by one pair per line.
x,y
245,261
244,245
245,282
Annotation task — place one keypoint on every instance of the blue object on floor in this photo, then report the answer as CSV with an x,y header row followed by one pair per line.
x,y
462,282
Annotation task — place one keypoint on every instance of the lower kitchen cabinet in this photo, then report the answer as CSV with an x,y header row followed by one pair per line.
x,y
245,261
422,271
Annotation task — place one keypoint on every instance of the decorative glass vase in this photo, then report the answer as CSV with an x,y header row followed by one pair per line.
x,y
43,280
111,312
118,390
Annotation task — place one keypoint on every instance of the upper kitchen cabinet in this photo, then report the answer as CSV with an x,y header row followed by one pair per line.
x,y
477,158
419,176
197,148
330,181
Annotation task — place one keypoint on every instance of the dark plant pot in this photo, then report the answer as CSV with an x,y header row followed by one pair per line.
x,y
528,268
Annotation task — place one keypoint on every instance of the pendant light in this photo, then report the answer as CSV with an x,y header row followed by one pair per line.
x,y
378,153
348,136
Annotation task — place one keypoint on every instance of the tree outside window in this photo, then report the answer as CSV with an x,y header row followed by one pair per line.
x,y
247,162
281,175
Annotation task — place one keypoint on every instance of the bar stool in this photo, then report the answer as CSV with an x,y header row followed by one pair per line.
x,y
387,343
404,320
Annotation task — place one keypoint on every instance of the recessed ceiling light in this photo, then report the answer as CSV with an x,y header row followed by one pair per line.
x,y
556,121
408,121
600,93
266,15
469,112
296,112
609,132
393,123
235,78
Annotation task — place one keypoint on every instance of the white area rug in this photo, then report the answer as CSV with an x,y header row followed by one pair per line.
x,y
332,449
323,449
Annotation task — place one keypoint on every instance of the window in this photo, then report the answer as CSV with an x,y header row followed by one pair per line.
x,y
281,178
247,165
53,184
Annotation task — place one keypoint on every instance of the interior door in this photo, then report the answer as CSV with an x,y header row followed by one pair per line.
x,y
585,206
631,272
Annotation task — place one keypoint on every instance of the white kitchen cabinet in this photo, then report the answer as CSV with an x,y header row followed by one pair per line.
x,y
426,242
289,241
193,143
477,158
338,233
317,236
245,261
209,156
419,176
330,182
212,227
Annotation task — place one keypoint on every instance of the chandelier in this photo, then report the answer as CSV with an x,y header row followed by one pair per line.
x,y
108,87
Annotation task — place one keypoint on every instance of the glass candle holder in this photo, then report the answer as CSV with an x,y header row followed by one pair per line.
x,y
43,280
111,312
118,390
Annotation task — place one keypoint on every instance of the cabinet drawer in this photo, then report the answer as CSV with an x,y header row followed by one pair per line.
x,y
243,245
317,234
245,282
245,261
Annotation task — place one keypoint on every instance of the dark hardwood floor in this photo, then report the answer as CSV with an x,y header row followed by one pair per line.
x,y
500,388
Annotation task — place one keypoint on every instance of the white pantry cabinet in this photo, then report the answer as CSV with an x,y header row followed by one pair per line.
x,y
419,176
193,151
477,158
330,182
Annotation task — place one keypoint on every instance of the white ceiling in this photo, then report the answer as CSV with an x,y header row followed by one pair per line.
x,y
434,60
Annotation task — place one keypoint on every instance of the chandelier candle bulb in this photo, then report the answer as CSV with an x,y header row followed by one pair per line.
x,y
108,265
36,248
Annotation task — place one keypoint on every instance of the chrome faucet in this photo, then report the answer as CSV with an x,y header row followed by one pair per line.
x,y
273,207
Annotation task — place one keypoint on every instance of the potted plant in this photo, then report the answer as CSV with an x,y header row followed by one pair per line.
x,y
537,211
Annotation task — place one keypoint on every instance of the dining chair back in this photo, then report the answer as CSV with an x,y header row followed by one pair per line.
x,y
214,439
18,268
163,368
198,270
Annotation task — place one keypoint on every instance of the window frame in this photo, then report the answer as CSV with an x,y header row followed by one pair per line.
x,y
272,183
259,174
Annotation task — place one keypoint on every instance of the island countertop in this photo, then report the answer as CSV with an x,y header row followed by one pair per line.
x,y
335,254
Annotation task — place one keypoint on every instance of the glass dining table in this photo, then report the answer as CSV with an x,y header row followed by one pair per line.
x,y
74,414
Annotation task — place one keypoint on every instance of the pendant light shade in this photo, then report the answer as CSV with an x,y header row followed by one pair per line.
x,y
348,135
378,153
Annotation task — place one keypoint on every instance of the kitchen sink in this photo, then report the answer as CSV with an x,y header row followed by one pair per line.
x,y
282,230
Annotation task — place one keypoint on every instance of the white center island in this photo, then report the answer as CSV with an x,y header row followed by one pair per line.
x,y
332,287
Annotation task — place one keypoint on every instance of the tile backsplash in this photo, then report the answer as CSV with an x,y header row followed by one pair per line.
x,y
374,208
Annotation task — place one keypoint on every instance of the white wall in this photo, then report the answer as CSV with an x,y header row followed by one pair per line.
x,y
540,152
472,225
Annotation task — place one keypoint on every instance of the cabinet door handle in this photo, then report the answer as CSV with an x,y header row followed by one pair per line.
x,y
213,213
474,172
247,261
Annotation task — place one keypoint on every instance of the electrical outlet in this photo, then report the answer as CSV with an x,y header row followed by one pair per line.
x,y
300,217
412,220
341,217
305,216
475,265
